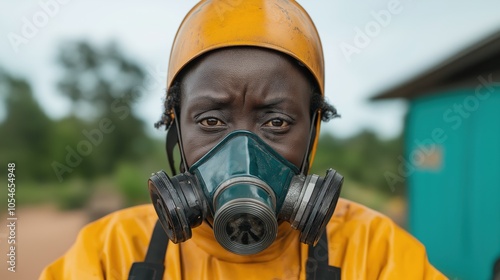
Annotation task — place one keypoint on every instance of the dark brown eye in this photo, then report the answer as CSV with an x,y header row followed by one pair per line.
x,y
211,122
276,123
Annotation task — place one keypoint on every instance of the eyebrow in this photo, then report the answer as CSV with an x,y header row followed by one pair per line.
x,y
276,101
208,98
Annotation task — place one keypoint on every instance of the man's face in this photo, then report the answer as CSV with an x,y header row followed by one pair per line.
x,y
251,89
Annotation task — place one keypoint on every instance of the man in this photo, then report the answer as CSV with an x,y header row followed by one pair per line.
x,y
245,99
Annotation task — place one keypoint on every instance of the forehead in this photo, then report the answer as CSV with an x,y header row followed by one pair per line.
x,y
242,64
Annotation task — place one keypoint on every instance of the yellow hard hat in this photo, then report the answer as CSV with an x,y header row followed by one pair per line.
x,y
281,25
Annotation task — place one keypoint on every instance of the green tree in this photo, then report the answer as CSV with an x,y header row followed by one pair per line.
x,y
364,159
103,86
25,130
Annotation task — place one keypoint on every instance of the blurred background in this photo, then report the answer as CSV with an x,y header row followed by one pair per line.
x,y
416,83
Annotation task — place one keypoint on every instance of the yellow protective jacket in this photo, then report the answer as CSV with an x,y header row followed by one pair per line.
x,y
362,242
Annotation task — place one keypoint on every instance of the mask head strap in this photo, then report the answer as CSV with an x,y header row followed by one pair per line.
x,y
171,141
310,142
173,138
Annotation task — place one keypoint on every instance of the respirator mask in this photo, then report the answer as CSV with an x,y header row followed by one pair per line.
x,y
243,189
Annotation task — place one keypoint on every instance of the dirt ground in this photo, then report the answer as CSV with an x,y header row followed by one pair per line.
x,y
42,235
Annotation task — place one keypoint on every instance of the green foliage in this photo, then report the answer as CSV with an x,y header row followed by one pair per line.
x,y
103,86
74,195
363,159
71,194
25,131
132,184
102,132
30,193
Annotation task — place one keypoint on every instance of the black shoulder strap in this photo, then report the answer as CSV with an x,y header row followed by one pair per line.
x,y
317,267
153,266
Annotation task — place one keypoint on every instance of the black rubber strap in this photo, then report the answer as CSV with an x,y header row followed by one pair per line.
x,y
317,267
170,143
153,266
312,132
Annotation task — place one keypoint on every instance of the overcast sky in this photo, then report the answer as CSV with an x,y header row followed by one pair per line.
x,y
369,46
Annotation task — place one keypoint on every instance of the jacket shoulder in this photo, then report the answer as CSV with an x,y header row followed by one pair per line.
x,y
123,233
134,220
351,212
369,245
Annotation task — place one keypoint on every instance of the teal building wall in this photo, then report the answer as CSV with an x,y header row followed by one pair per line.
x,y
452,169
